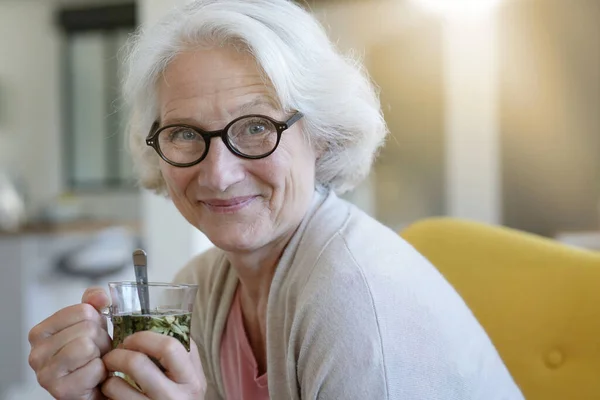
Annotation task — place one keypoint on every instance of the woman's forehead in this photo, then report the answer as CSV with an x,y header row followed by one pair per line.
x,y
212,69
220,82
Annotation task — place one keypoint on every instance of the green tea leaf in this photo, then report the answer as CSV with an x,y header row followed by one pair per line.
x,y
176,329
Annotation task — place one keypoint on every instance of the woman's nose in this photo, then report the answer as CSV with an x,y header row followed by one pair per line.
x,y
221,168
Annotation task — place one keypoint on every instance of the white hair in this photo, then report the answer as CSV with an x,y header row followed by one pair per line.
x,y
342,113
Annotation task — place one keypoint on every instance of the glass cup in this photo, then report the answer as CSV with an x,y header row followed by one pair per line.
x,y
168,312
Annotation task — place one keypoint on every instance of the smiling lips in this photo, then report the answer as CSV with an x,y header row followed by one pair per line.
x,y
228,206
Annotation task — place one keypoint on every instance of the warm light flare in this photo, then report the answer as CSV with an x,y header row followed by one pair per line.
x,y
459,8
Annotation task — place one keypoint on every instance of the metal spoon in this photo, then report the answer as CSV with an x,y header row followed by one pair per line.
x,y
140,263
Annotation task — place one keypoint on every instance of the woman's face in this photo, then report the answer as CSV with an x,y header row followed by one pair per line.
x,y
240,204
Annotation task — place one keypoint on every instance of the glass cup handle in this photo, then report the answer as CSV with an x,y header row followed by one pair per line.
x,y
107,312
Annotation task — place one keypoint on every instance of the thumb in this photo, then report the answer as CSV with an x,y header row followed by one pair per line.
x,y
96,297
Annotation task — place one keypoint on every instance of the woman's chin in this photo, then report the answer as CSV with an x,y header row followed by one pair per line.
x,y
234,246
235,240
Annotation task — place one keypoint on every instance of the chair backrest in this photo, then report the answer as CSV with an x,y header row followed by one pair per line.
x,y
538,300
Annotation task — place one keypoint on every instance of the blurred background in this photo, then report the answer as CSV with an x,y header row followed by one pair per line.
x,y
493,107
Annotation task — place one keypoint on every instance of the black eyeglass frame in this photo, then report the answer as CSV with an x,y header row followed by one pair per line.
x,y
151,139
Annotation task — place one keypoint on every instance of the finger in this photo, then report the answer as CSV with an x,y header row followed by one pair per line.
x,y
169,352
96,297
63,319
81,384
117,388
142,370
71,357
45,350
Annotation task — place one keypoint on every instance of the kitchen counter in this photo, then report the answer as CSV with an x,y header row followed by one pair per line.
x,y
71,227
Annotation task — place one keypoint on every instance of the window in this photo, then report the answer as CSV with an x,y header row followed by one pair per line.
x,y
95,155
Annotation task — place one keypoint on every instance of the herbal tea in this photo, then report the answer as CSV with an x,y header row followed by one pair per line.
x,y
167,322
171,323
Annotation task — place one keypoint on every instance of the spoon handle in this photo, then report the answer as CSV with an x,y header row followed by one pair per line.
x,y
141,277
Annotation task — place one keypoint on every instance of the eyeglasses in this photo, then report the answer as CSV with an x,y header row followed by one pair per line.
x,y
251,136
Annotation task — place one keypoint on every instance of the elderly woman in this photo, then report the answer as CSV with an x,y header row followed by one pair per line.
x,y
245,115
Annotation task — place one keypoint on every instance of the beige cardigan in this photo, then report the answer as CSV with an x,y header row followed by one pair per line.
x,y
354,312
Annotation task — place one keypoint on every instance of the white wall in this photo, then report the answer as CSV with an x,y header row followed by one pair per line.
x,y
29,96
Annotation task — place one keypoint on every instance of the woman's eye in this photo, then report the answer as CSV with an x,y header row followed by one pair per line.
x,y
256,129
184,134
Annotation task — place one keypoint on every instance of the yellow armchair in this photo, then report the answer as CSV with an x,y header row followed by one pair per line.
x,y
538,300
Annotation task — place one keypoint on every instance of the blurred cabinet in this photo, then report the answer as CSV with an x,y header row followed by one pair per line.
x,y
550,114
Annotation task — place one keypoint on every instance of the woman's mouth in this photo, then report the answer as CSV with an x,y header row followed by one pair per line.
x,y
228,206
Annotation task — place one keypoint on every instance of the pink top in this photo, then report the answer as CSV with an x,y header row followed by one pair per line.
x,y
238,365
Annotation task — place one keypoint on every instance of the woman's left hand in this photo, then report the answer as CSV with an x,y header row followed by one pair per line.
x,y
183,378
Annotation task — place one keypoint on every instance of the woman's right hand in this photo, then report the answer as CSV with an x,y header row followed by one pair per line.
x,y
67,349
